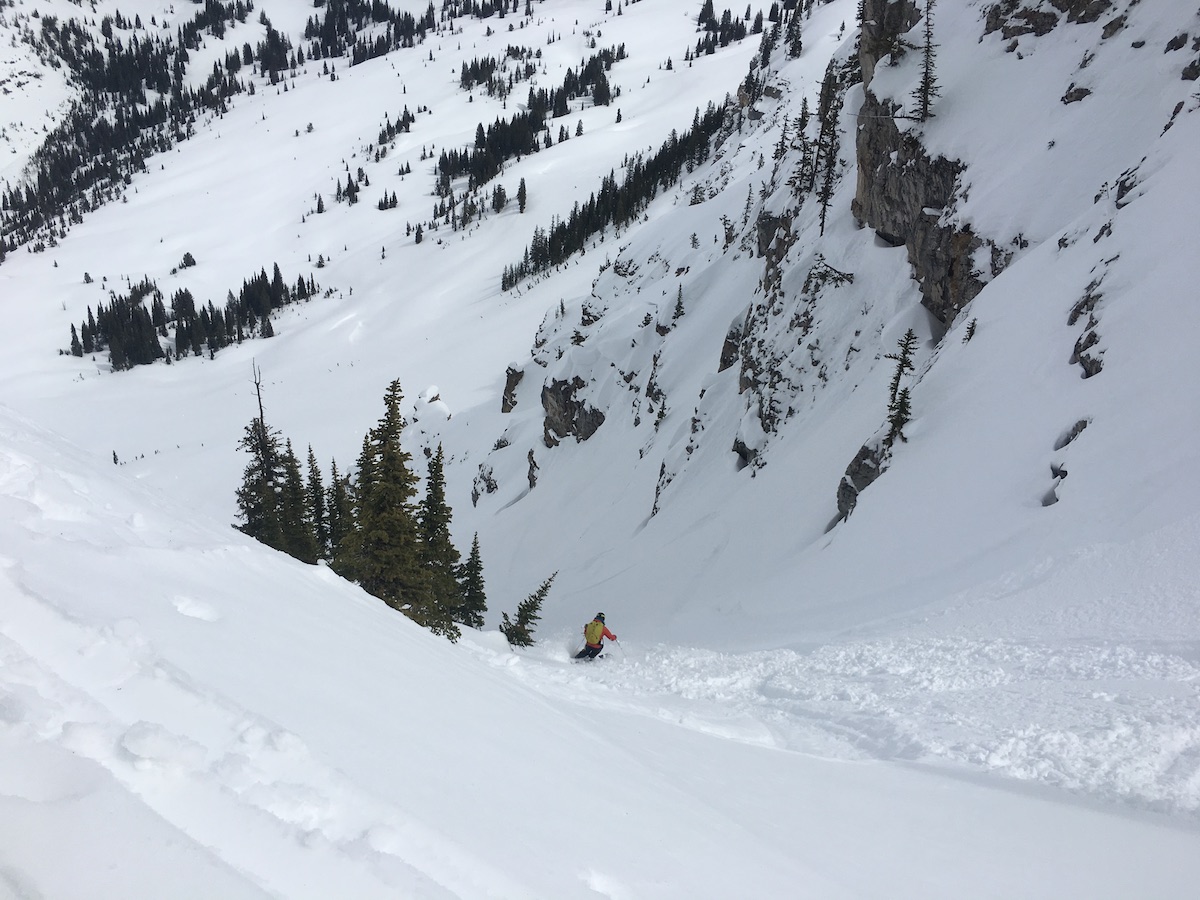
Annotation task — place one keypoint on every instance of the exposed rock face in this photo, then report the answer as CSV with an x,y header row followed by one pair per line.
x,y
901,191
1089,357
1075,94
746,455
883,23
485,483
533,469
1013,18
1082,10
774,238
566,414
867,465
731,352
1021,21
1072,433
512,378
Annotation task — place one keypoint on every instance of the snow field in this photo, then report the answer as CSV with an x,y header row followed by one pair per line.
x,y
956,693
1104,720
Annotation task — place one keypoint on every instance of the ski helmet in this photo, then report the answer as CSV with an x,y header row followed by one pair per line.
x,y
599,617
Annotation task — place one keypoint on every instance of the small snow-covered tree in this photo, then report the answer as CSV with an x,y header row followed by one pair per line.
x,y
519,631
904,362
899,415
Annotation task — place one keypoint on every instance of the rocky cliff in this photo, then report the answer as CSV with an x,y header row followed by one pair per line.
x,y
902,191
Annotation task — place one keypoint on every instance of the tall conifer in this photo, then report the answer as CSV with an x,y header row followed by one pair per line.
x,y
927,88
339,511
474,598
387,538
295,521
257,498
316,498
440,557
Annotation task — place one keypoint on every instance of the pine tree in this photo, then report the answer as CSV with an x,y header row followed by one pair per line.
x,y
519,632
385,546
795,37
471,589
440,558
927,88
316,499
904,362
339,510
522,196
257,498
295,522
899,414
825,194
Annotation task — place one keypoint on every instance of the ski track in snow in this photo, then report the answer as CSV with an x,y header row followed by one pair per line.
x,y
1115,722
206,762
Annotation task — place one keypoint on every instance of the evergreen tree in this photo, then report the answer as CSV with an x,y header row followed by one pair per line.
x,y
385,546
927,88
519,632
339,511
316,499
471,589
825,193
904,362
258,496
440,558
899,414
522,196
795,37
601,92
295,523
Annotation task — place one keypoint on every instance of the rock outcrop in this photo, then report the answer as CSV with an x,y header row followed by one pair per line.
x,y
868,464
901,190
512,378
566,414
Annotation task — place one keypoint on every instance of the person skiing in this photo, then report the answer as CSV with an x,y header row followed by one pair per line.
x,y
594,633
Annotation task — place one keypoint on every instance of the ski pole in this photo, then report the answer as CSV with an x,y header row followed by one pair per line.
x,y
624,655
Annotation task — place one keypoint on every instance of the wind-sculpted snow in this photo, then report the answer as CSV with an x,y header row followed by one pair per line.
x,y
1116,722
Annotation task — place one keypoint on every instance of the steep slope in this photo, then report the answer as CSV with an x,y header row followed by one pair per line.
x,y
1031,264
204,716
671,420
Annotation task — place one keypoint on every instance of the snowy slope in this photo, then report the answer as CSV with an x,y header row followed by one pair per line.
x,y
958,691
209,718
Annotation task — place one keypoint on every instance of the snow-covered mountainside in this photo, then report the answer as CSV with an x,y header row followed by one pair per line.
x,y
873,430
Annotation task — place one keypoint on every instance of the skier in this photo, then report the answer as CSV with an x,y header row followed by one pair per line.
x,y
594,633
